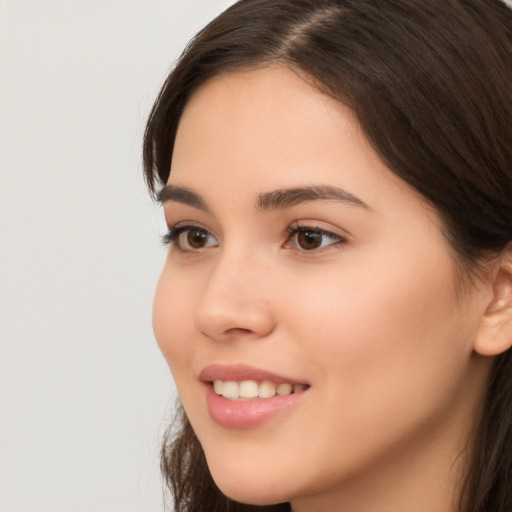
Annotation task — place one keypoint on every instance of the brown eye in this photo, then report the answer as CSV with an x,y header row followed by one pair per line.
x,y
196,238
309,240
192,238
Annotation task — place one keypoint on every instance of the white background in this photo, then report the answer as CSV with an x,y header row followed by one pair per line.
x,y
84,392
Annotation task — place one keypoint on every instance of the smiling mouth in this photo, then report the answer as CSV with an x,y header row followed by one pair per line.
x,y
251,389
242,397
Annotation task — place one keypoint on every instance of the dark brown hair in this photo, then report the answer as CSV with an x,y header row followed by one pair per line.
x,y
430,82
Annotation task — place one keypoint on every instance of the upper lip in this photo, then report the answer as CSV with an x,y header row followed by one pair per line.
x,y
241,372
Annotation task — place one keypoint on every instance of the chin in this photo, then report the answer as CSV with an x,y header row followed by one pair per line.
x,y
252,493
241,483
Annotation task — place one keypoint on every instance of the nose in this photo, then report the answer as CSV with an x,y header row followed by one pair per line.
x,y
235,302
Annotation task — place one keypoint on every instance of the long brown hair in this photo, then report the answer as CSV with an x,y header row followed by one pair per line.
x,y
430,83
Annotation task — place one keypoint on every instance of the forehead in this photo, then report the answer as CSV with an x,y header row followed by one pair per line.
x,y
268,121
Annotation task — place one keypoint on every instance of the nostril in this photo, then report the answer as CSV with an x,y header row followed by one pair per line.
x,y
237,331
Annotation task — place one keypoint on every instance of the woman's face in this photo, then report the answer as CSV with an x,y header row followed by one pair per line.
x,y
299,258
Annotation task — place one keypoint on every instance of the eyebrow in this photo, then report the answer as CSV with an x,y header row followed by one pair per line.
x,y
172,193
275,200
286,198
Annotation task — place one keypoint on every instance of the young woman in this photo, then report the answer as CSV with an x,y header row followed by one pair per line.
x,y
336,304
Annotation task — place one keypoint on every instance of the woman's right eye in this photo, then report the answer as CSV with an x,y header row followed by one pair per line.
x,y
189,238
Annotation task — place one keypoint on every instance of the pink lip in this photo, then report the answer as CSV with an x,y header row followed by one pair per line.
x,y
245,413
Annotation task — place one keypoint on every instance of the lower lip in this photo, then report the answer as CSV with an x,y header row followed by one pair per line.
x,y
247,413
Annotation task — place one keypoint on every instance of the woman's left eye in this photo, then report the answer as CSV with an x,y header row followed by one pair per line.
x,y
311,239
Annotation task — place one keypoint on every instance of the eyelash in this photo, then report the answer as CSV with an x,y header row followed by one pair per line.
x,y
294,230
175,231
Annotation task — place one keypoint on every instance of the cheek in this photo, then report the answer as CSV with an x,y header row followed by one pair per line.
x,y
387,345
372,328
172,322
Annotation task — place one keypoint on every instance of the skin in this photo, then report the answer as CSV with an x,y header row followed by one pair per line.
x,y
371,320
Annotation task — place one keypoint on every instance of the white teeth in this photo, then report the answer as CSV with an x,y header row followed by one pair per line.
x,y
218,386
267,389
249,389
284,389
230,389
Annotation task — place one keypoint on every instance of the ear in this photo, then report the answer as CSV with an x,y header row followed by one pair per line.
x,y
495,330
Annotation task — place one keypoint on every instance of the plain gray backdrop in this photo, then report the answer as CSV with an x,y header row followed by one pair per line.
x,y
84,391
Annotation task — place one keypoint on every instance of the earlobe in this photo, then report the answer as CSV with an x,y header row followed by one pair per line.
x,y
495,330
